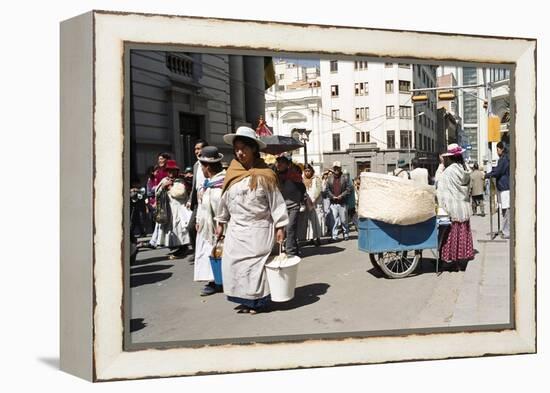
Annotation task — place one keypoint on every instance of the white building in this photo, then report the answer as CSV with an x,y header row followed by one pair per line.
x,y
295,102
369,121
473,111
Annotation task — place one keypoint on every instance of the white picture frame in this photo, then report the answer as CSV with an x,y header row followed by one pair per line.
x,y
92,140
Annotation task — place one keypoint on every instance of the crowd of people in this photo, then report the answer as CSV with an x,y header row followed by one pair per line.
x,y
255,206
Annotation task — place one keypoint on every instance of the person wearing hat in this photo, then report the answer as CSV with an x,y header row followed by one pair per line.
x,y
253,215
338,189
314,207
293,191
502,175
173,232
208,199
197,181
453,195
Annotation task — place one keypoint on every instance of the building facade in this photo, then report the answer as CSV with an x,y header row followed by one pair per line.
x,y
369,121
473,108
179,97
294,102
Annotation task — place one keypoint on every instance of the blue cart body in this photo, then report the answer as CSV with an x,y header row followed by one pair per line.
x,y
377,236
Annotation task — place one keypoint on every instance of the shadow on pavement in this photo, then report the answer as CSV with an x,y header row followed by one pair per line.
x,y
144,279
303,296
323,250
136,324
149,269
150,260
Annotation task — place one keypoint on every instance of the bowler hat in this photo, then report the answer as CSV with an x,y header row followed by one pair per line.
x,y
210,154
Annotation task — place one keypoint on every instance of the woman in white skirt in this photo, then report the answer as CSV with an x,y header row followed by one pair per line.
x,y
254,212
209,196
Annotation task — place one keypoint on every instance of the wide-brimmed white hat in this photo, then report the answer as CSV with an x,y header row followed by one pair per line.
x,y
337,164
245,132
453,150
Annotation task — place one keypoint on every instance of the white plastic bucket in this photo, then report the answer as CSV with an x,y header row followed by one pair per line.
x,y
282,280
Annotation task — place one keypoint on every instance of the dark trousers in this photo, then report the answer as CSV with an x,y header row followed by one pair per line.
x,y
191,228
291,244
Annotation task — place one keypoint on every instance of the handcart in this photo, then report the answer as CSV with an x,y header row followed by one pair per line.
x,y
396,250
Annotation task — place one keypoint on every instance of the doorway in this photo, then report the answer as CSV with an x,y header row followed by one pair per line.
x,y
190,132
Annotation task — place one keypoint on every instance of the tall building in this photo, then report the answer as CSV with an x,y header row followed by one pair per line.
x,y
294,102
369,121
179,97
472,107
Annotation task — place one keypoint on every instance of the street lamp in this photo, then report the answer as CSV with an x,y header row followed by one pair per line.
x,y
410,139
303,136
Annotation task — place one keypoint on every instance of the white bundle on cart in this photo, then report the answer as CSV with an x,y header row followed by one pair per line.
x,y
395,200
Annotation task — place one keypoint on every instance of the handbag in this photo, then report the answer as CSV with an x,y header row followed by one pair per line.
x,y
162,214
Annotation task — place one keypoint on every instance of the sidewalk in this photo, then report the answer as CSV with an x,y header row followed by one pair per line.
x,y
486,291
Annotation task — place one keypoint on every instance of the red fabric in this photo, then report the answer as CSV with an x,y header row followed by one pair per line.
x,y
458,243
337,186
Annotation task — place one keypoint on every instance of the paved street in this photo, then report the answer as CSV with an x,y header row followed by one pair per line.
x,y
337,291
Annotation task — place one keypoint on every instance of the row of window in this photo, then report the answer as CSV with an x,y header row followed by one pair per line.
x,y
363,65
422,142
362,88
363,113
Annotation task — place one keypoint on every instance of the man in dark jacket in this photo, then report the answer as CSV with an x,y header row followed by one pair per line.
x,y
293,190
502,175
338,190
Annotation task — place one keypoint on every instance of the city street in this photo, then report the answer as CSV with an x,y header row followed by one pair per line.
x,y
337,291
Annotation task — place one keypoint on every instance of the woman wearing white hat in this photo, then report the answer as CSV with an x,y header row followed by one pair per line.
x,y
453,196
254,213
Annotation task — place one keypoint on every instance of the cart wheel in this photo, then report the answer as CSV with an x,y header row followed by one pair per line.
x,y
396,264
374,258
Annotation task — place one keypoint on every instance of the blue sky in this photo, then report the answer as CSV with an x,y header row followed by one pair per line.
x,y
302,62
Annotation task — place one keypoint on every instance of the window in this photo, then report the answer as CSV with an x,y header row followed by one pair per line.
x,y
362,137
389,86
334,66
405,112
335,142
390,111
498,74
390,139
471,139
404,86
362,89
405,139
404,65
335,114
362,113
388,65
361,65
470,108
334,91
425,144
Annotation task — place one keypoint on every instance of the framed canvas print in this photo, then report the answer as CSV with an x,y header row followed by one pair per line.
x,y
248,195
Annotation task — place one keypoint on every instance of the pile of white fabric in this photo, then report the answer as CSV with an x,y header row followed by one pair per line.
x,y
395,200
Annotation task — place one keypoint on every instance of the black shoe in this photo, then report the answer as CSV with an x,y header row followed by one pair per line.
x,y
210,289
317,242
